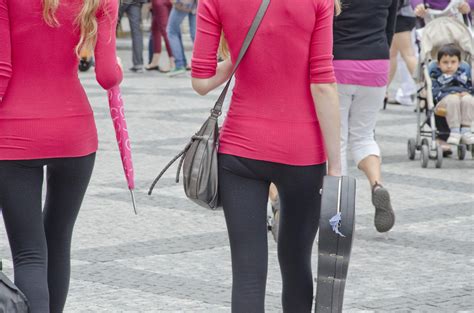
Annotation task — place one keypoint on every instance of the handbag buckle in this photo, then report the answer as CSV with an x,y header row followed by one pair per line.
x,y
215,112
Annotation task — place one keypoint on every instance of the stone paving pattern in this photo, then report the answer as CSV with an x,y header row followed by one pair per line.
x,y
175,257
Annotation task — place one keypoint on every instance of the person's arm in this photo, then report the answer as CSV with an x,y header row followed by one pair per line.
x,y
206,73
204,85
392,17
5,50
323,86
108,71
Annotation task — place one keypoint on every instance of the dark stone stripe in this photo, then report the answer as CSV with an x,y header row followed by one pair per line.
x,y
175,245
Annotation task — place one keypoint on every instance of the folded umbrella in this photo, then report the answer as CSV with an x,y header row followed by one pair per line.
x,y
123,140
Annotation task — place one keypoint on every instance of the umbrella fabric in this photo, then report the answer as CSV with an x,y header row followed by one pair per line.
x,y
121,132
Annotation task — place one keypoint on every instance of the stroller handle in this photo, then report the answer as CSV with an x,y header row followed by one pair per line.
x,y
451,9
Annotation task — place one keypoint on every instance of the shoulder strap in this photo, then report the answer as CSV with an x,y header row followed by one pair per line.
x,y
217,110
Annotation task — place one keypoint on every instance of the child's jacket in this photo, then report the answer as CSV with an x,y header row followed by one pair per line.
x,y
444,84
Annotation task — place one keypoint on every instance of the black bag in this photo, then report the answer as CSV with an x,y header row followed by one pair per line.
x,y
12,300
199,157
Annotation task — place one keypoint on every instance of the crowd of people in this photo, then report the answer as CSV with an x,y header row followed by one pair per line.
x,y
167,18
288,131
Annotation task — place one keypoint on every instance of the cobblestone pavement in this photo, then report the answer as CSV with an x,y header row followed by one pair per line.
x,y
174,256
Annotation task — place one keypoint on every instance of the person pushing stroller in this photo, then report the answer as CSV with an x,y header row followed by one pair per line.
x,y
452,91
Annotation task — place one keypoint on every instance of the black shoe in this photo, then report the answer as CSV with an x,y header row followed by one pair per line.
x,y
153,68
136,69
384,215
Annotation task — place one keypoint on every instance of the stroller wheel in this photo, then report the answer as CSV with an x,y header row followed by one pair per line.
x,y
425,156
439,156
462,151
411,148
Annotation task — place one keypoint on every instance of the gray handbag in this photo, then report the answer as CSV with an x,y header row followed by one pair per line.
x,y
12,300
199,157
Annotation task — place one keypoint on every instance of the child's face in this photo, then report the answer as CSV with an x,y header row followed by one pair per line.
x,y
449,64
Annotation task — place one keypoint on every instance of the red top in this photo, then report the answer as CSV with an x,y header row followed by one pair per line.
x,y
45,112
272,115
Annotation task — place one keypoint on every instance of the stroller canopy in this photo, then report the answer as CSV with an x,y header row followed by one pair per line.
x,y
446,30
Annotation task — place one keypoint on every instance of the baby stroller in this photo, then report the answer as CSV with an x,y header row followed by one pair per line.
x,y
443,27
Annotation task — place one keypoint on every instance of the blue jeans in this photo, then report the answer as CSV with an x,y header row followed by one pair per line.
x,y
174,34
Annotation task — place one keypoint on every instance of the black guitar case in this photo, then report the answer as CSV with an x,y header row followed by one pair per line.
x,y
335,242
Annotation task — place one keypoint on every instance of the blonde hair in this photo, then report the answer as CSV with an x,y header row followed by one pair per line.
x,y
224,47
337,6
86,20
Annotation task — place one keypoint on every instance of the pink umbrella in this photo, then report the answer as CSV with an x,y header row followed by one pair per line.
x,y
123,141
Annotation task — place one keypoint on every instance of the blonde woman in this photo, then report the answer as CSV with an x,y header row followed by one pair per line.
x,y
282,127
47,121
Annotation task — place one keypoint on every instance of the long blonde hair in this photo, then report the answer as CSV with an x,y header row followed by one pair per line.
x,y
86,20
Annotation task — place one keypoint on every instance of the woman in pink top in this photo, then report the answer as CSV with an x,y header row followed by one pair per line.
x,y
363,33
282,124
46,121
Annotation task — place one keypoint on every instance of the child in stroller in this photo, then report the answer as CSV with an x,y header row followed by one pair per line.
x,y
452,91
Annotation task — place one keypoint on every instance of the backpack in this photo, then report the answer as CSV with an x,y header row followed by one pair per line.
x,y
12,300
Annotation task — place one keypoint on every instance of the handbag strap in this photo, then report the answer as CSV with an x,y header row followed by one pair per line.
x,y
217,110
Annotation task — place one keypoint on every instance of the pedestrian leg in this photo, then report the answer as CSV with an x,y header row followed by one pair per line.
x,y
244,198
174,35
135,16
346,94
300,210
67,181
20,192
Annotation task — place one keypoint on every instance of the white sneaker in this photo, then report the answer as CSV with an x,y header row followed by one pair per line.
x,y
454,138
467,138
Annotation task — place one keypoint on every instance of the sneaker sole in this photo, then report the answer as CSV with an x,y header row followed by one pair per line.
x,y
384,215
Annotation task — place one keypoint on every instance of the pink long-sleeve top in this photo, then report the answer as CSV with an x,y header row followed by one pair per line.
x,y
44,111
272,115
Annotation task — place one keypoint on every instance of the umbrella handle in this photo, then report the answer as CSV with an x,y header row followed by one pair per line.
x,y
133,201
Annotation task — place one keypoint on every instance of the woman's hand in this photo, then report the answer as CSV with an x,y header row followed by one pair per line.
x,y
332,171
464,8
420,10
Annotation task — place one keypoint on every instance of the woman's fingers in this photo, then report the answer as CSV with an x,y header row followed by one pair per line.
x,y
464,8
420,10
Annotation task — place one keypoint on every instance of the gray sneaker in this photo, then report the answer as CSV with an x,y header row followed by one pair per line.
x,y
384,215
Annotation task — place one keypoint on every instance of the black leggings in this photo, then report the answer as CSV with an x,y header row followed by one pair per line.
x,y
244,185
41,240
